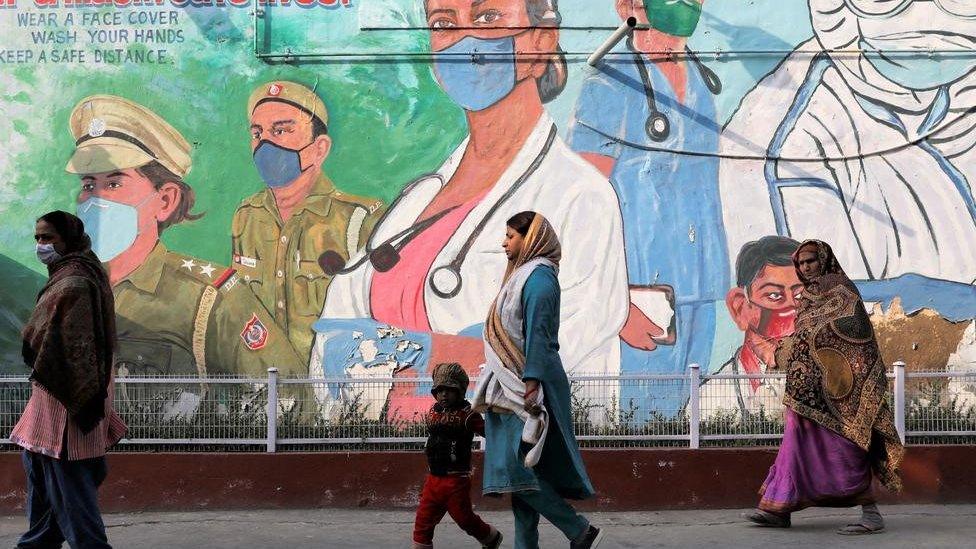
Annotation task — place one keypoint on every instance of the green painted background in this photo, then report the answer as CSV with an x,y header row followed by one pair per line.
x,y
389,120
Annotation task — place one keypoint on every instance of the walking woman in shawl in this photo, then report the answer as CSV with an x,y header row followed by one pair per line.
x,y
840,431
69,421
530,448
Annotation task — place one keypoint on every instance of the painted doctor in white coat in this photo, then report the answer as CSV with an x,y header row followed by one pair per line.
x,y
421,290
874,152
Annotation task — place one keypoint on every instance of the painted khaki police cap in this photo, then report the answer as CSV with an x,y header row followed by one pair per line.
x,y
112,133
292,94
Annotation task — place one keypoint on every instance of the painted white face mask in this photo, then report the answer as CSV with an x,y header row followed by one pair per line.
x,y
112,226
46,254
923,46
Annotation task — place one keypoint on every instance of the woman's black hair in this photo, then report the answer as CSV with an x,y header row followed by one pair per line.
x,y
521,222
69,228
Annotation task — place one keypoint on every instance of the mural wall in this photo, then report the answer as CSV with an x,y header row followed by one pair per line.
x,y
322,185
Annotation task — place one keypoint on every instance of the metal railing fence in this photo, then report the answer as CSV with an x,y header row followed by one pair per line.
x,y
288,414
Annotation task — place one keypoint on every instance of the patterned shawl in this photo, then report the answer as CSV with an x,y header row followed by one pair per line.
x,y
70,338
835,375
540,242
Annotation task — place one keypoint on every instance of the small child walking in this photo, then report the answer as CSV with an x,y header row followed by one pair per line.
x,y
451,426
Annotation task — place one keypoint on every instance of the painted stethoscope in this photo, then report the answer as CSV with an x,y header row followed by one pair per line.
x,y
445,281
658,126
776,184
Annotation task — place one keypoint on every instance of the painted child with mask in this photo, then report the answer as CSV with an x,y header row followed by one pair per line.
x,y
652,97
451,426
763,305
176,314
279,232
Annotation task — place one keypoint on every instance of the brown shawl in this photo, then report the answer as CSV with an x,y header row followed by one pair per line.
x,y
835,375
540,242
70,337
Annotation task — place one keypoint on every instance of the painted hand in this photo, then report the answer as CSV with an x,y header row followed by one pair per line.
x,y
639,331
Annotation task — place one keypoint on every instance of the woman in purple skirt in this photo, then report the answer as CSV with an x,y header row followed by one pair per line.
x,y
840,433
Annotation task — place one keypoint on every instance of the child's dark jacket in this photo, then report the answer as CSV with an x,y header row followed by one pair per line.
x,y
450,434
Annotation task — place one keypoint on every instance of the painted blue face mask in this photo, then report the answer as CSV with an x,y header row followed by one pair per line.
x,y
277,165
921,71
477,72
112,226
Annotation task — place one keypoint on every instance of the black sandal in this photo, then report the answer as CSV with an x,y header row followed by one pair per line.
x,y
859,529
767,519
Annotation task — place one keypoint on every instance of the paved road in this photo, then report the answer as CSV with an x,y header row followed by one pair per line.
x,y
914,526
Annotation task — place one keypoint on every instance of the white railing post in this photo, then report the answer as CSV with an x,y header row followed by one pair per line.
x,y
900,399
272,409
694,406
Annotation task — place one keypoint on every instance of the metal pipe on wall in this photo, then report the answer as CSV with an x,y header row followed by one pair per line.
x,y
625,29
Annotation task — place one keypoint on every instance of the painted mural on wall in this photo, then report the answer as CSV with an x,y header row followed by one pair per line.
x,y
323,188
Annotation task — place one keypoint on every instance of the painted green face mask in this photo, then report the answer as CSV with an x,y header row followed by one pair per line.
x,y
674,17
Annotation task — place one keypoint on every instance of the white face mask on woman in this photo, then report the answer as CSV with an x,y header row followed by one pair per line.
x,y
47,254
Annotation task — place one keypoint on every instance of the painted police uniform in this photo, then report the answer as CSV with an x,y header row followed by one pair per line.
x,y
278,259
181,315
176,314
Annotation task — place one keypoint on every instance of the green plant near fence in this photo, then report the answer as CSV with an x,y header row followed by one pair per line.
x,y
933,409
237,412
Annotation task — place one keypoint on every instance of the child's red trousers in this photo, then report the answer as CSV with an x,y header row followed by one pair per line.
x,y
447,494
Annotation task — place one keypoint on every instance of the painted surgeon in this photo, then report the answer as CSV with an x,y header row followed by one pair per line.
x,y
634,110
874,151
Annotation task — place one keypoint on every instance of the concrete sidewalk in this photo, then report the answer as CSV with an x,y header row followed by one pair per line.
x,y
909,526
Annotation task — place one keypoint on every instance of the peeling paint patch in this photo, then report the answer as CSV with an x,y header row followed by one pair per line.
x,y
923,340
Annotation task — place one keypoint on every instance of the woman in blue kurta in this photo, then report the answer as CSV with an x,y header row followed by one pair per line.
x,y
530,448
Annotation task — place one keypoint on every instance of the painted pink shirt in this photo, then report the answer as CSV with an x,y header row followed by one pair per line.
x,y
396,297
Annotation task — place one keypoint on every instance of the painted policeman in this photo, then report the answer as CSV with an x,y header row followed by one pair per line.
x,y
646,119
279,232
176,314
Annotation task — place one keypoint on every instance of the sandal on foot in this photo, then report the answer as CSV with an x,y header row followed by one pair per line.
x,y
769,520
494,541
860,530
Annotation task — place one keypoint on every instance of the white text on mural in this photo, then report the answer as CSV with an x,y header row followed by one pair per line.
x,y
114,37
7,4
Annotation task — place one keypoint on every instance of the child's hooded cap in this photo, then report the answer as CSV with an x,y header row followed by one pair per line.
x,y
450,375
